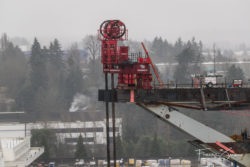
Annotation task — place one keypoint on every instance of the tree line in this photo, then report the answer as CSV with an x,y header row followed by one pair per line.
x,y
52,80
48,79
189,56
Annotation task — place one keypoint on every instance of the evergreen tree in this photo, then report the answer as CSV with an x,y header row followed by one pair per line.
x,y
182,73
57,77
38,76
143,147
32,95
81,152
56,55
129,131
119,147
189,60
234,73
44,138
155,147
56,66
129,148
158,49
74,80
13,66
178,47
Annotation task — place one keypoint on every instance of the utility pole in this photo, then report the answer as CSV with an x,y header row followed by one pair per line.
x,y
107,118
214,51
113,118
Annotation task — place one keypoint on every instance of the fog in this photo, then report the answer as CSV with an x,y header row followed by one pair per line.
x,y
225,22
55,82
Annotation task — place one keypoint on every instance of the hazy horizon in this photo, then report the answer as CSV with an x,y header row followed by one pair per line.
x,y
213,21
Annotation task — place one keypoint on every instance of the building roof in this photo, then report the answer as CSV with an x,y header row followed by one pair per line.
x,y
55,116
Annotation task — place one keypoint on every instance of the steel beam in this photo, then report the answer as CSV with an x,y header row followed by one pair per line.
x,y
196,129
187,124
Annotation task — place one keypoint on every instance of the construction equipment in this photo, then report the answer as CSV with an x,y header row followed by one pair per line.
x,y
237,83
156,73
133,69
134,85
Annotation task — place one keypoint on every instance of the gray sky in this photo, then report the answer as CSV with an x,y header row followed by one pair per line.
x,y
220,21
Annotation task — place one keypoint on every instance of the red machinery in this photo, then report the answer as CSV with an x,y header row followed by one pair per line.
x,y
133,70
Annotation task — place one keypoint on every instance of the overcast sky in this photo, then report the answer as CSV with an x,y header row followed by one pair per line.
x,y
220,21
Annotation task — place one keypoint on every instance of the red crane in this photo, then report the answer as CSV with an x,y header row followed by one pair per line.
x,y
133,69
156,73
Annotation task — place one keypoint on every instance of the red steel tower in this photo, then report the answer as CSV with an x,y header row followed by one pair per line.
x,y
133,69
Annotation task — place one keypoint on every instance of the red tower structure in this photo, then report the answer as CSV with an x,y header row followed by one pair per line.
x,y
133,69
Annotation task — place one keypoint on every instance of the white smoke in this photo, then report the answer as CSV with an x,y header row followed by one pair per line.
x,y
80,103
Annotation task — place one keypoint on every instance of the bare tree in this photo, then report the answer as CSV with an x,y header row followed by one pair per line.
x,y
92,44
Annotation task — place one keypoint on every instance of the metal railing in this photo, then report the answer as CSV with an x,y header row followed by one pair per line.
x,y
133,57
191,85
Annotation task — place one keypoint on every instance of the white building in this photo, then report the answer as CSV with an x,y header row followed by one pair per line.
x,y
93,132
15,147
16,151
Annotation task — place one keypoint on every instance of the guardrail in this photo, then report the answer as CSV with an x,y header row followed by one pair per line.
x,y
191,85
35,152
22,147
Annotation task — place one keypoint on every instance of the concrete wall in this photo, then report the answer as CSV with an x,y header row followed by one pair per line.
x,y
13,148
12,130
